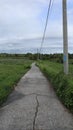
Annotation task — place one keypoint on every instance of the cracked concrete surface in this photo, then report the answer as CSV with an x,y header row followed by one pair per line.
x,y
36,112
34,106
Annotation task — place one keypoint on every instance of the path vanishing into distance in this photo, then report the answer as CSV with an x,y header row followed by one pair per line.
x,y
33,105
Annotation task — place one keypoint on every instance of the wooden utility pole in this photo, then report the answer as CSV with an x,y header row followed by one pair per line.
x,y
65,37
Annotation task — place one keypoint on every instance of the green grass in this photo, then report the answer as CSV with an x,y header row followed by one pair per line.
x,y
11,70
63,84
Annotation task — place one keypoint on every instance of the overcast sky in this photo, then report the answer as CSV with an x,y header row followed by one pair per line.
x,y
21,19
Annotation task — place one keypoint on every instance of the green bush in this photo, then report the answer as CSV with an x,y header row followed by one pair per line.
x,y
63,84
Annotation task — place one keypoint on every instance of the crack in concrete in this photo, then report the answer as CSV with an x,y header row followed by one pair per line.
x,y
36,112
40,95
29,94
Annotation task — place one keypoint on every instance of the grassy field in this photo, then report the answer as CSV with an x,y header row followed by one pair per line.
x,y
63,84
11,70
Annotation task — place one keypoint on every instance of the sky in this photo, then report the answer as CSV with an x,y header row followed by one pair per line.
x,y
25,19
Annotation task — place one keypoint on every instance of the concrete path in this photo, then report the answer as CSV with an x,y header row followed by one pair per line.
x,y
34,106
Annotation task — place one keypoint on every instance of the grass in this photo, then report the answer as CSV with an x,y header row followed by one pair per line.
x,y
63,84
11,70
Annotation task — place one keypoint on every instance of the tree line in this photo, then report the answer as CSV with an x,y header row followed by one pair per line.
x,y
52,57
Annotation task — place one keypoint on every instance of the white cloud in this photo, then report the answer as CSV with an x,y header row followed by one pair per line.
x,y
26,19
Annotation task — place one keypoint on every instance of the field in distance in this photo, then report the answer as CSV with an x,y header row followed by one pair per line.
x,y
11,70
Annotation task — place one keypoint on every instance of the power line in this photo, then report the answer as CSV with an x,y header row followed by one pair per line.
x,y
48,13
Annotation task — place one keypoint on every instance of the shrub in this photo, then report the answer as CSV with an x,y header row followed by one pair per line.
x,y
63,84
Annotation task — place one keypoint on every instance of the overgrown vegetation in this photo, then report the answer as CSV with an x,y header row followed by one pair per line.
x,y
11,70
63,84
14,66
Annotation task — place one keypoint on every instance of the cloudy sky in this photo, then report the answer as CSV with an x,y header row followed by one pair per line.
x,y
22,19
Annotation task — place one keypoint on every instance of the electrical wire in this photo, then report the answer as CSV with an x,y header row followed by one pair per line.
x,y
48,13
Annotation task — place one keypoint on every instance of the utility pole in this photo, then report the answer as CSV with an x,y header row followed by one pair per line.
x,y
65,37
37,54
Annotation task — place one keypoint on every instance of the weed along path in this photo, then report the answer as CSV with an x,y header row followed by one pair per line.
x,y
34,106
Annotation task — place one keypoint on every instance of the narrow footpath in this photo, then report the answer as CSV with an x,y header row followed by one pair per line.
x,y
33,105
